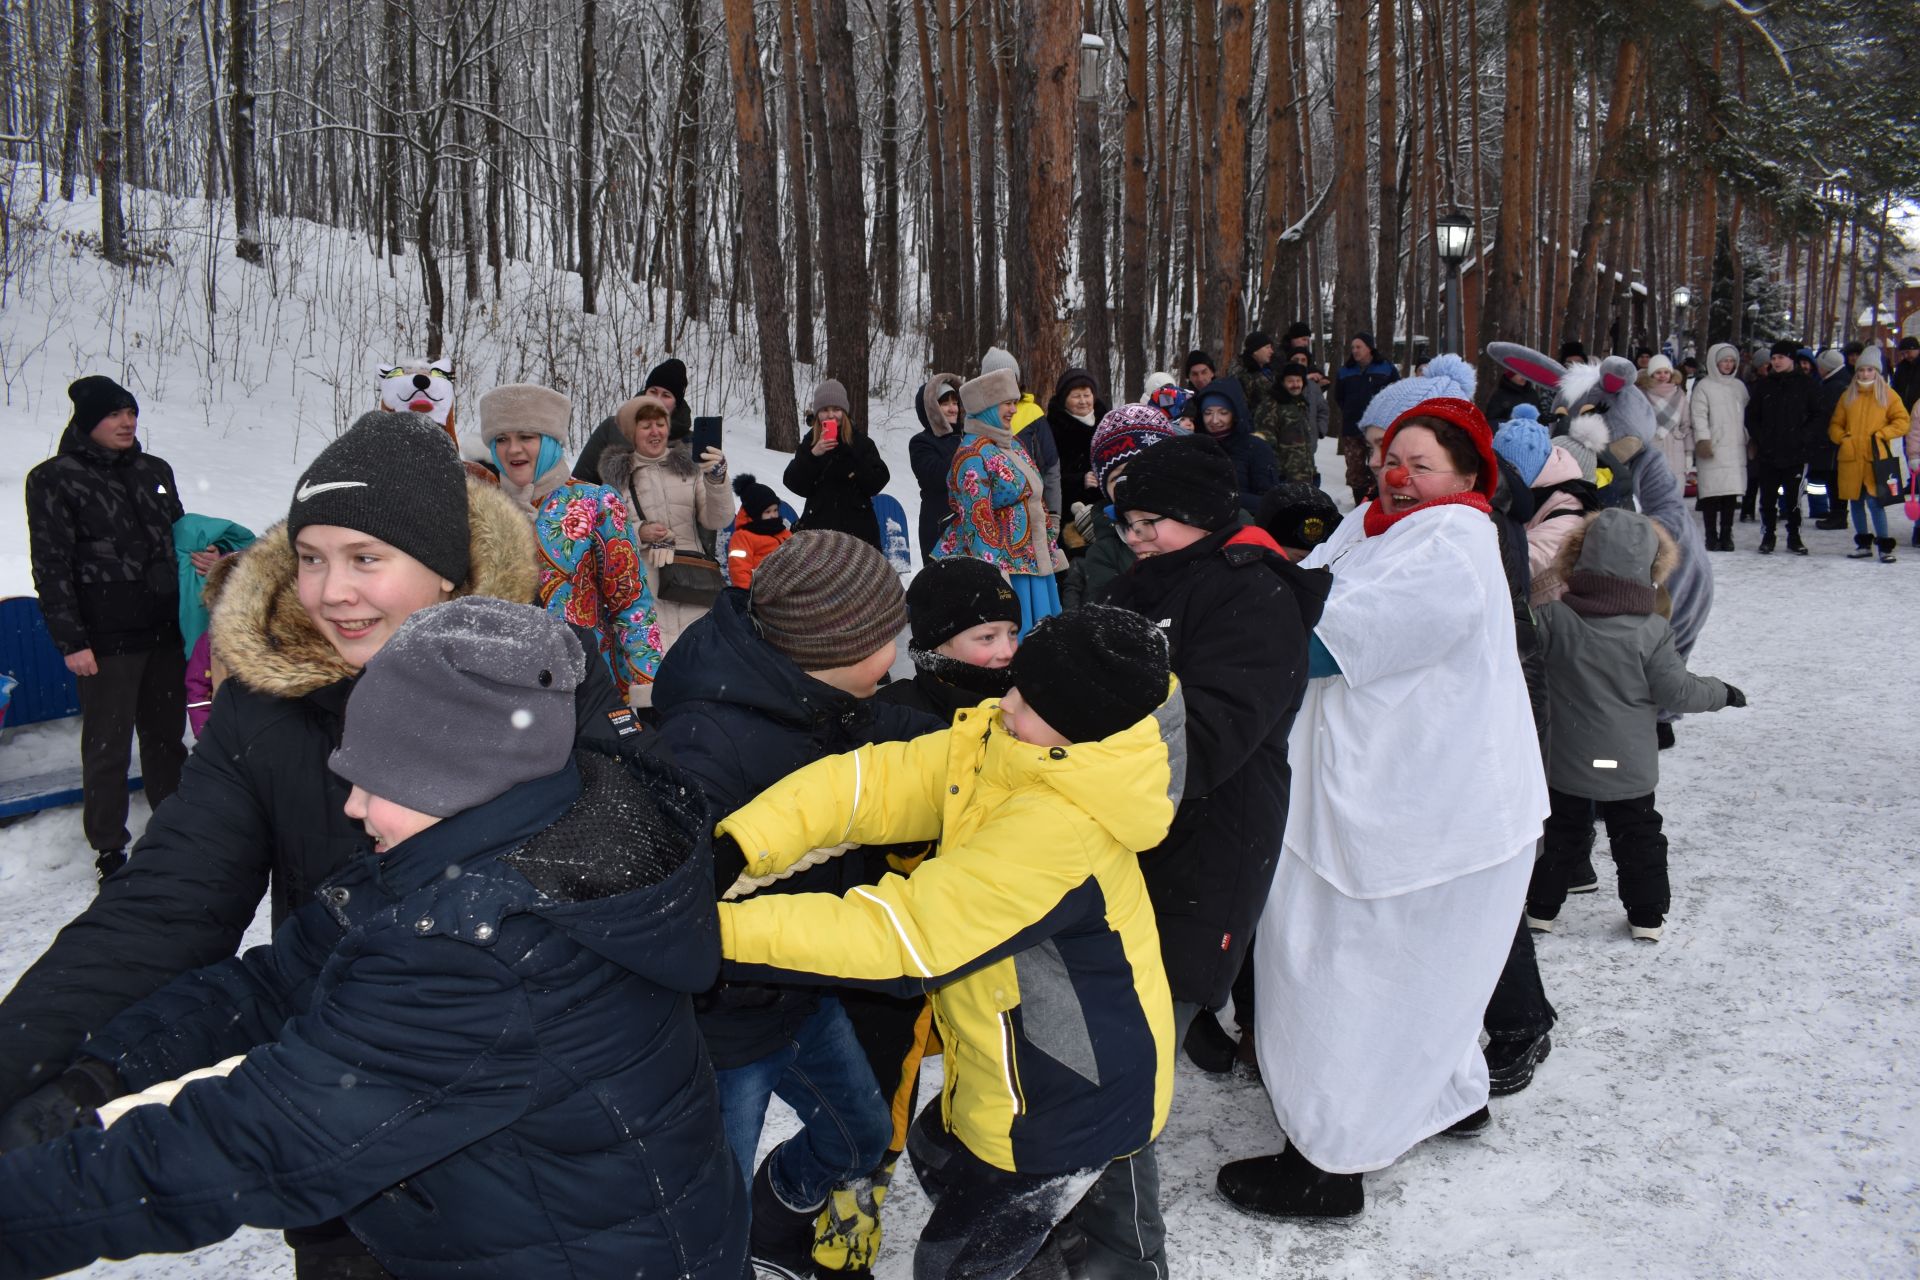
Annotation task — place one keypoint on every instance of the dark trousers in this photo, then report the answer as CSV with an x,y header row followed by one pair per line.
x,y
987,1223
1518,1009
1639,852
1717,515
1779,496
1753,492
143,692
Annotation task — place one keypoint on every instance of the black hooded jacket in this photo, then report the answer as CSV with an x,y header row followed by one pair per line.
x,y
1074,439
1254,464
930,454
738,715
1780,420
839,485
1237,615
100,536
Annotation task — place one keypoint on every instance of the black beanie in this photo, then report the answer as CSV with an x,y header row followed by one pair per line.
x,y
1092,671
394,476
754,496
1194,358
1297,515
670,374
1786,347
1298,329
1254,342
94,398
955,594
1189,478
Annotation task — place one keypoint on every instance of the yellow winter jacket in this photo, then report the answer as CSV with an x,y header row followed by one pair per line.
x,y
1864,429
1030,926
1027,414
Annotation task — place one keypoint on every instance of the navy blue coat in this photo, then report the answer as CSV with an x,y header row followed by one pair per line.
x,y
1255,467
1355,385
479,1047
738,715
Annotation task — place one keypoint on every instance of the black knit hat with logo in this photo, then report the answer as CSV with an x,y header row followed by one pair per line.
x,y
956,594
394,476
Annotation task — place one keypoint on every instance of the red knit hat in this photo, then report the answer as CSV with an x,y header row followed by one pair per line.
x,y
1465,415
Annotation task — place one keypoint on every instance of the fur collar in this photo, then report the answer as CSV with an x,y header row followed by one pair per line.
x,y
1567,560
269,643
619,463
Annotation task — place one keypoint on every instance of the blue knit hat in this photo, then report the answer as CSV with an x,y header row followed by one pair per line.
x,y
1446,376
1522,441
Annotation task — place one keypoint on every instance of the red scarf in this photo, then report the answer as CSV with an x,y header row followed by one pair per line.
x,y
1378,519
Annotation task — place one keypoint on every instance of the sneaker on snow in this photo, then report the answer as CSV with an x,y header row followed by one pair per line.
x,y
1510,1063
1539,924
1862,547
1645,925
1469,1126
781,1239
1288,1186
1208,1045
1582,878
108,861
1886,546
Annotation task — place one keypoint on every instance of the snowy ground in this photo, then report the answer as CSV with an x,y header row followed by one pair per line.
x,y
1735,1101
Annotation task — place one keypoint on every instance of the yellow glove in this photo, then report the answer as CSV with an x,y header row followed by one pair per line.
x,y
846,1236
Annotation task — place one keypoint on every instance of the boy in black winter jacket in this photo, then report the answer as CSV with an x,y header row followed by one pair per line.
x,y
478,1045
768,681
1611,666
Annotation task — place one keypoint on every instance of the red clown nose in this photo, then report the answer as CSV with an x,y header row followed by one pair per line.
x,y
1397,477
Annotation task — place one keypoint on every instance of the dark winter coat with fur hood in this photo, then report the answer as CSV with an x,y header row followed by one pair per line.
x,y
100,535
930,453
478,1046
1611,663
257,806
1237,616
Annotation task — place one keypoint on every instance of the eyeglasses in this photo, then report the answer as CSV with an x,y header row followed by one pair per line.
x,y
1145,529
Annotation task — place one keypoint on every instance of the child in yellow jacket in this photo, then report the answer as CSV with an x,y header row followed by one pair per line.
x,y
1030,927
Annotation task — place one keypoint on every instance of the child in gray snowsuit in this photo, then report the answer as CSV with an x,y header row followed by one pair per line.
x,y
1611,667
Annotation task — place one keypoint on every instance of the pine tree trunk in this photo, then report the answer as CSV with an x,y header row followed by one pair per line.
x,y
1039,199
1133,209
134,92
1283,171
390,125
760,225
113,224
589,95
690,180
945,335
959,161
1352,312
886,235
1507,264
1387,263
798,204
847,293
76,108
1603,195
1229,255
1206,195
986,80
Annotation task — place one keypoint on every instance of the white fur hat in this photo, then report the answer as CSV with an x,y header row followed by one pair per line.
x,y
524,406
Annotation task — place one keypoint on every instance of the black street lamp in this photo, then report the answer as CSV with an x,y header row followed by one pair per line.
x,y
1453,241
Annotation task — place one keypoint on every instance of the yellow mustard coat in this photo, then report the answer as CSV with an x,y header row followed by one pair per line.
x,y
1859,421
1030,926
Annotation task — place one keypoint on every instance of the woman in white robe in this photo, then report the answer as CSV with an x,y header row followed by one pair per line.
x,y
1417,798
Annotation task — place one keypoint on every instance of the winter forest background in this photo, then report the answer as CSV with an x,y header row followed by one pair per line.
x,y
865,186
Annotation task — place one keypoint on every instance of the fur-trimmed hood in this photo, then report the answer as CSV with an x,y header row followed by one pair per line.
x,y
621,460
269,643
1666,556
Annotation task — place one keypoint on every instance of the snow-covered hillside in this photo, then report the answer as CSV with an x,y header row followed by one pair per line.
x,y
1737,1100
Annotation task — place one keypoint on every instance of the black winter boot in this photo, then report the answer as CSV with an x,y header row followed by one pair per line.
x,y
1209,1046
1794,544
1862,547
1510,1063
1766,541
1288,1186
1469,1126
1886,546
108,861
781,1240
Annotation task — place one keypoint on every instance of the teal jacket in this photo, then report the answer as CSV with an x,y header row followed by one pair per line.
x,y
193,533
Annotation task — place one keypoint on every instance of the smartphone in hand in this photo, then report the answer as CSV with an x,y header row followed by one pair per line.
x,y
706,435
830,431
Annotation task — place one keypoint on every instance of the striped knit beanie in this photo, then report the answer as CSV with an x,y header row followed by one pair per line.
x,y
827,599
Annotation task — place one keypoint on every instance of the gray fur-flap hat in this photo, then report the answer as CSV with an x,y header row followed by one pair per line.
x,y
468,699
988,391
524,406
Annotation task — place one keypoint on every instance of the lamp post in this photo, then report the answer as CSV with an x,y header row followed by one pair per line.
x,y
1682,300
1453,241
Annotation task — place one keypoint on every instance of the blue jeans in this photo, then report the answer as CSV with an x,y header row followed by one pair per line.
x,y
1862,508
822,1074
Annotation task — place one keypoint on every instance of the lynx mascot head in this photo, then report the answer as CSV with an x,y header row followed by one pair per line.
x,y
416,385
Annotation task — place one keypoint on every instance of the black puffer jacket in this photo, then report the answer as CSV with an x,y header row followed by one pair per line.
x,y
1074,439
257,806
839,485
100,535
481,1051
1780,420
738,716
1237,615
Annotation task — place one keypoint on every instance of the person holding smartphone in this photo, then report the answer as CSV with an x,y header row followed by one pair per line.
x,y
837,470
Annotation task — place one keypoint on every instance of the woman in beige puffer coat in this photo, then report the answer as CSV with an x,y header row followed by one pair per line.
x,y
677,504
1719,411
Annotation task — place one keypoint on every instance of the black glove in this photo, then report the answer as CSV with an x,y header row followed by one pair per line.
x,y
728,862
70,1101
1735,698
